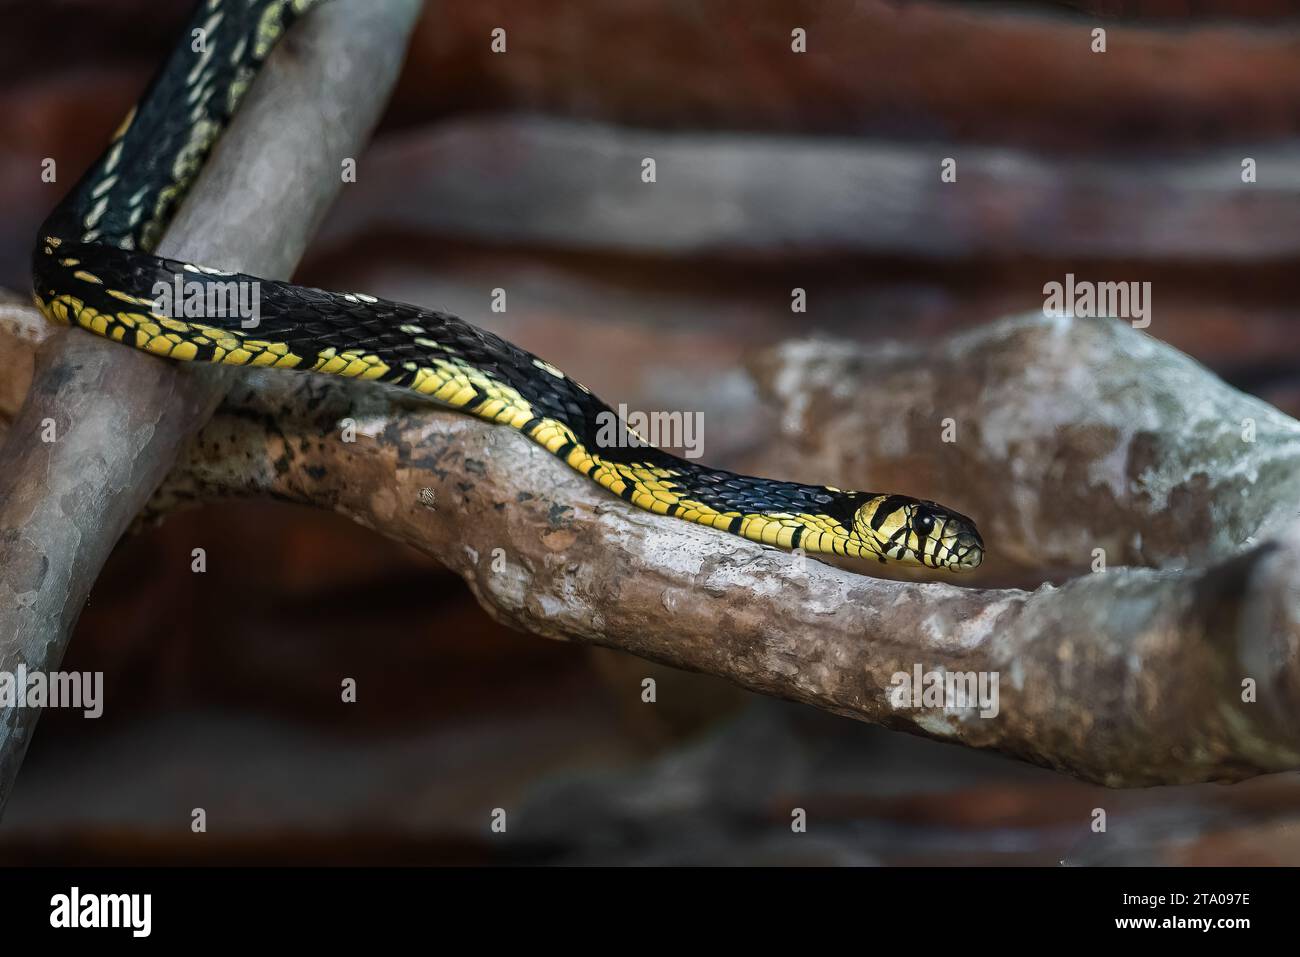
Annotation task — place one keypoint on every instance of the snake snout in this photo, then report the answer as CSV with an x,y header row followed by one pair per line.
x,y
968,550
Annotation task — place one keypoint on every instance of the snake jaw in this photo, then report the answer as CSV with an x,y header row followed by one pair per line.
x,y
946,539
969,551
941,538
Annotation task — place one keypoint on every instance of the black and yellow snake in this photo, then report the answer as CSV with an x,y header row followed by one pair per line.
x,y
93,267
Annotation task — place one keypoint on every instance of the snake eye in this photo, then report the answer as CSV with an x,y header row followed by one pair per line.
x,y
924,523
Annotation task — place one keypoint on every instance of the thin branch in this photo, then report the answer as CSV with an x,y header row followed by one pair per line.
x,y
121,417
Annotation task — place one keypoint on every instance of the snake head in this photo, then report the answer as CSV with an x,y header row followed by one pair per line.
x,y
916,532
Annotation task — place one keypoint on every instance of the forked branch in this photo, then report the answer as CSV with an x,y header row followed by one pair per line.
x,y
119,418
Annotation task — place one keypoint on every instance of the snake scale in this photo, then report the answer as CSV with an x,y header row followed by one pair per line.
x,y
93,267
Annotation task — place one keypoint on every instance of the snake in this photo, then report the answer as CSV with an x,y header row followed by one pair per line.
x,y
94,268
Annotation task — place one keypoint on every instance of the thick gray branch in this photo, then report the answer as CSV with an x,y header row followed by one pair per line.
x,y
1070,435
120,416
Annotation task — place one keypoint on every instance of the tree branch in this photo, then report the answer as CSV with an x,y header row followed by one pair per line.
x,y
121,416
1072,435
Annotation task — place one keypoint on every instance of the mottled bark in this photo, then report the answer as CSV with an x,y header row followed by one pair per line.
x,y
1069,436
121,417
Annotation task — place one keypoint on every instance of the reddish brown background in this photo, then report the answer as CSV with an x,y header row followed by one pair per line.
x,y
223,688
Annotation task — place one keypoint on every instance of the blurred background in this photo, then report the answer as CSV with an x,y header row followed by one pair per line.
x,y
775,170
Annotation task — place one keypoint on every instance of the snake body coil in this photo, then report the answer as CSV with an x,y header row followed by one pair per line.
x,y
93,267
